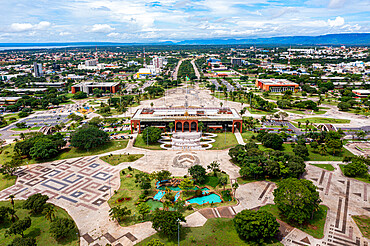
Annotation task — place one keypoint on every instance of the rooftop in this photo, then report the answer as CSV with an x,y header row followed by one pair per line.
x,y
276,82
180,113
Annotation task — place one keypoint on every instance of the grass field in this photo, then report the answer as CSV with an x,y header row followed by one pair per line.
x,y
314,227
25,129
247,135
129,189
8,151
312,155
363,223
39,227
366,180
141,143
324,120
221,143
328,167
6,182
215,232
257,111
117,159
109,147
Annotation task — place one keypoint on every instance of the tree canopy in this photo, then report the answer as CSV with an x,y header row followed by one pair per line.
x,y
297,199
88,138
255,225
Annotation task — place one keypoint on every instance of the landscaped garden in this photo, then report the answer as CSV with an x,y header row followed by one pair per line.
x,y
363,223
140,193
314,227
117,159
34,221
217,232
324,120
328,167
224,141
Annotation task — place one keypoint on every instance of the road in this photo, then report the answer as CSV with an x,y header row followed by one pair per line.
x,y
174,74
196,71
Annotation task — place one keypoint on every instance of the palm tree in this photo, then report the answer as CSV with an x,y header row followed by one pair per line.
x,y
11,197
49,212
171,125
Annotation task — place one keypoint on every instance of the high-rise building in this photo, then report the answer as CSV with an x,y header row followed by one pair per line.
x,y
37,69
236,61
159,62
90,63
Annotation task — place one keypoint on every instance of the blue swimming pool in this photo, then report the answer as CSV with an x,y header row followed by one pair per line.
x,y
212,198
177,196
169,187
159,195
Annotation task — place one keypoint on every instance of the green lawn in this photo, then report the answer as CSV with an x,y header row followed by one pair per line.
x,y
39,227
25,129
314,227
215,232
221,143
141,143
108,147
363,223
6,181
312,155
324,120
362,179
117,159
247,135
257,111
129,189
328,167
6,153
8,150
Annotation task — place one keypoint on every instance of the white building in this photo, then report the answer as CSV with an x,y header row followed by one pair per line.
x,y
37,70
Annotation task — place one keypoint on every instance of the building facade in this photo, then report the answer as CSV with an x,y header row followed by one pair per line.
x,y
37,70
276,85
187,119
88,87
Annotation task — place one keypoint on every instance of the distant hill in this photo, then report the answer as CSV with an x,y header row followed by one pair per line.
x,y
329,39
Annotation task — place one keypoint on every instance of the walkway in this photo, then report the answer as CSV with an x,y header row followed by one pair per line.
x,y
239,137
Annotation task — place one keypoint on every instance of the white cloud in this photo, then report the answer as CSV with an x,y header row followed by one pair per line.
x,y
20,27
339,21
113,34
102,28
336,3
23,27
42,25
64,33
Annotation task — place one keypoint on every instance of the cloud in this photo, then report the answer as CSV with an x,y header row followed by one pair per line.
x,y
113,34
20,27
42,25
101,8
64,33
339,21
23,27
336,3
284,11
105,28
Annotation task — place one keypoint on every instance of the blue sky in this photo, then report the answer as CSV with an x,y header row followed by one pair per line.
x,y
176,20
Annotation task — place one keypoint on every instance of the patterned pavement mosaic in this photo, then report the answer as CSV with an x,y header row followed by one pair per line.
x,y
83,182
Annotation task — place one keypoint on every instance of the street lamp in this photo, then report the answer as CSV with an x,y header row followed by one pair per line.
x,y
178,231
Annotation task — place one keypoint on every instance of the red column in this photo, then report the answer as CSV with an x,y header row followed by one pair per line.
x,y
175,125
189,126
182,126
233,126
139,127
197,125
241,126
131,127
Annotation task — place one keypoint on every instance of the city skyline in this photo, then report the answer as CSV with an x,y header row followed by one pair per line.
x,y
158,21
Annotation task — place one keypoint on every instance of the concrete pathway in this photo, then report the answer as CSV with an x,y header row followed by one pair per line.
x,y
239,137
